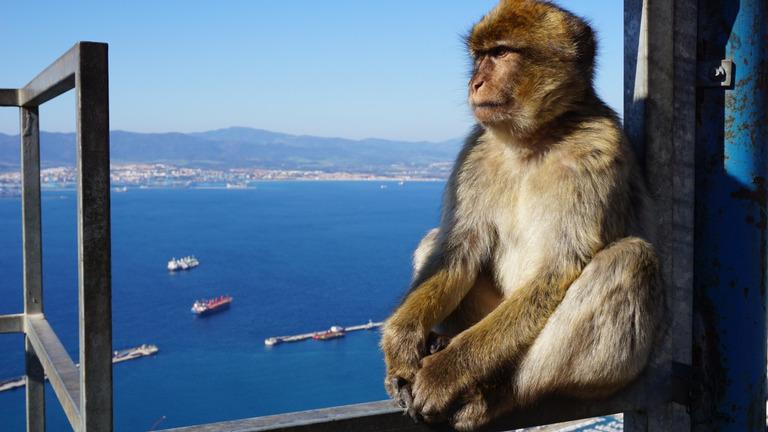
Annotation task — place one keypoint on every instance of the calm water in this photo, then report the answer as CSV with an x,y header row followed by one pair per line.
x,y
296,256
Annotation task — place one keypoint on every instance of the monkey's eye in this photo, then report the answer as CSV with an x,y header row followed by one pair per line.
x,y
501,51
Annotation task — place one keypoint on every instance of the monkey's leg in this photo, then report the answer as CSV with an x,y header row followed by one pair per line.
x,y
596,342
493,343
481,300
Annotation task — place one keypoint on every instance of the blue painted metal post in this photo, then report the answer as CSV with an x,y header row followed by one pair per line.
x,y
730,229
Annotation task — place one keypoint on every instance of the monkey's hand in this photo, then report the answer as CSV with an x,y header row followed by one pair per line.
x,y
403,346
441,381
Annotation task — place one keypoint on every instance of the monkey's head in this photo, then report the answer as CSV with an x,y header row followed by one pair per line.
x,y
532,62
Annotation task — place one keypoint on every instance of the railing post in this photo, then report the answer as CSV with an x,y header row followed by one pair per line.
x,y
32,252
93,234
659,110
731,175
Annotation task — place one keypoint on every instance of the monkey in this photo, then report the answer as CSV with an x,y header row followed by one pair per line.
x,y
541,278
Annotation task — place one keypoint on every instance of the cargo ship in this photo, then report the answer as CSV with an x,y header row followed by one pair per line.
x,y
210,306
186,263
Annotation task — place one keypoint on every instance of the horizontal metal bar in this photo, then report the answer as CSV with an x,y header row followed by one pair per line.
x,y
653,388
369,417
56,79
61,370
9,97
12,323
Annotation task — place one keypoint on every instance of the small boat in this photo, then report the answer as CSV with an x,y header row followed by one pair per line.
x,y
186,263
272,341
132,353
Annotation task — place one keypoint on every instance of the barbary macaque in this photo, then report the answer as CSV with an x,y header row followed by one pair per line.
x,y
541,278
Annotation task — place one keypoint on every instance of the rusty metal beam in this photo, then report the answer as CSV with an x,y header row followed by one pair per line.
x,y
731,213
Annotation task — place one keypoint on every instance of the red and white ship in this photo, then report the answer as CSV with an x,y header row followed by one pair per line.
x,y
207,307
334,332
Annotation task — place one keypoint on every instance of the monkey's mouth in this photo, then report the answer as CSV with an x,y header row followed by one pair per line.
x,y
488,105
490,112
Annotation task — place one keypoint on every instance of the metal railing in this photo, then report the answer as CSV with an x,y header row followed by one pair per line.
x,y
656,387
85,394
687,383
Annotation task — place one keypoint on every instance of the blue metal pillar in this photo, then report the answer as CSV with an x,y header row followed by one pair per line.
x,y
729,347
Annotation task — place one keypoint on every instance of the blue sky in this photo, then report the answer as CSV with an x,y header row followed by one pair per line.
x,y
350,68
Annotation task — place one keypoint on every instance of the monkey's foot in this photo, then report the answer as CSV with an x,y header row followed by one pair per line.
x,y
473,414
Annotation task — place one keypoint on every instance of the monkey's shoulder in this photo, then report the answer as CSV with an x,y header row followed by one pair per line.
x,y
597,147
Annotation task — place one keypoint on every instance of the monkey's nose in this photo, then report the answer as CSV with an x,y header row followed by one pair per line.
x,y
477,84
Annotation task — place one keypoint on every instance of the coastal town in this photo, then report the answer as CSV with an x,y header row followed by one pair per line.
x,y
159,175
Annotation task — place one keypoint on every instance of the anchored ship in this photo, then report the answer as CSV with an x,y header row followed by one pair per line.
x,y
333,333
207,307
186,263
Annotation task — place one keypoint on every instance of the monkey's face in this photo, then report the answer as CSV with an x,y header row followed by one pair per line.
x,y
531,62
497,74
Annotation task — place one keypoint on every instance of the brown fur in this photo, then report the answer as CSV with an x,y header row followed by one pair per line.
x,y
542,268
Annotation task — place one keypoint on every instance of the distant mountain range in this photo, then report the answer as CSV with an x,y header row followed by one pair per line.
x,y
239,147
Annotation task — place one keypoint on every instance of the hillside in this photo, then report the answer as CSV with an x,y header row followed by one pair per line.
x,y
242,148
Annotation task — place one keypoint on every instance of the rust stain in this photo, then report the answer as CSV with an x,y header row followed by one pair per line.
x,y
758,196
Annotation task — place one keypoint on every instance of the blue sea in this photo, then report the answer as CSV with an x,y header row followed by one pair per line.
x,y
296,256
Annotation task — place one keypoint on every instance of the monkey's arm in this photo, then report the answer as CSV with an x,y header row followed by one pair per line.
x,y
405,333
495,342
447,264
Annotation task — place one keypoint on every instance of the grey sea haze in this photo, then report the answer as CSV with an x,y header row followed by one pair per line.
x,y
296,257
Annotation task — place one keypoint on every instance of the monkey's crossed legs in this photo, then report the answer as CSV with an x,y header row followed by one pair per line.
x,y
586,339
